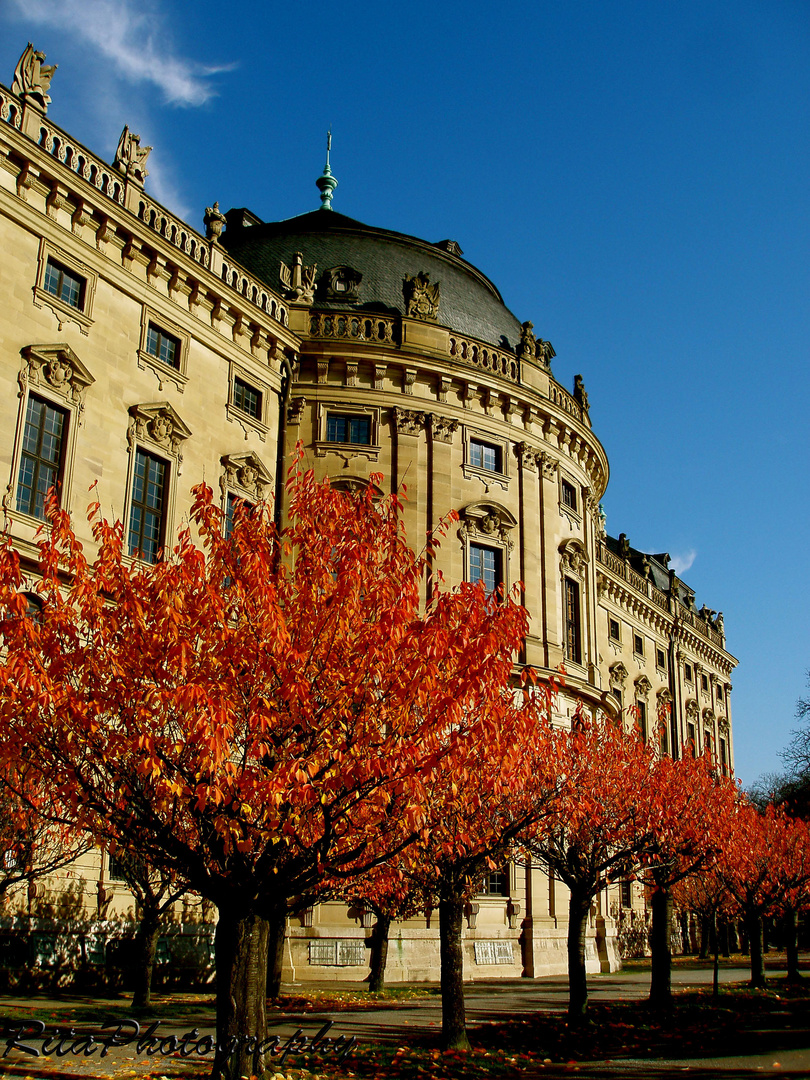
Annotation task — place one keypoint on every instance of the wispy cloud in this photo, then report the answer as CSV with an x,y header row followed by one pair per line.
x,y
134,38
681,563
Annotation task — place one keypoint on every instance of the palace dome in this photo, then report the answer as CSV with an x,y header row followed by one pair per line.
x,y
469,303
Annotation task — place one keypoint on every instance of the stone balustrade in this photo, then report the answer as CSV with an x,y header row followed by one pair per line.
x,y
484,357
353,326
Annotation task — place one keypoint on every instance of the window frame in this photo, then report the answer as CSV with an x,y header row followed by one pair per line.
x,y
235,413
572,628
573,513
479,449
347,450
688,672
497,551
660,659
151,456
23,453
64,312
638,644
500,476
148,361
617,637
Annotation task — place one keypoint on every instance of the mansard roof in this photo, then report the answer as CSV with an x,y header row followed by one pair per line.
x,y
469,302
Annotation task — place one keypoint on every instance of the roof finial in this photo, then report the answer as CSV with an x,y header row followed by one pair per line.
x,y
326,182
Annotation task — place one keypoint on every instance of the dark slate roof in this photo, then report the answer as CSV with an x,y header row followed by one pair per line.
x,y
469,302
658,569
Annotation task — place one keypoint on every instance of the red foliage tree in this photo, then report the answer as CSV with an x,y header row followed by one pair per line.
x,y
261,715
599,825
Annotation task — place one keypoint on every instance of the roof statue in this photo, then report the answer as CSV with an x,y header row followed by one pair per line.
x,y
32,78
421,298
214,221
544,352
579,393
299,280
130,157
528,343
326,182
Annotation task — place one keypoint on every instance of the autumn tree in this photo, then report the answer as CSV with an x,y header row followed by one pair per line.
x,y
688,809
599,825
260,714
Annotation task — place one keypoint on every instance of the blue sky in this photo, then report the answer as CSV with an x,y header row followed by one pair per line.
x,y
633,177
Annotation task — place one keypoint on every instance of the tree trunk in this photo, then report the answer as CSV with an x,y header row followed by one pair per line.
x,y
704,937
379,953
716,952
579,903
277,933
146,939
661,949
792,947
454,1020
241,958
754,929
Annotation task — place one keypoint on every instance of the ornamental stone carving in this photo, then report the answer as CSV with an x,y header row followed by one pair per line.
x,y
214,222
527,345
530,457
544,352
32,78
488,521
158,423
664,697
692,710
58,367
295,410
298,280
130,156
442,428
409,421
550,466
421,297
244,473
618,674
579,393
341,283
643,686
573,557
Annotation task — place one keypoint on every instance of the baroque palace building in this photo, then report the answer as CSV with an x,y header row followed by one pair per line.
x,y
142,354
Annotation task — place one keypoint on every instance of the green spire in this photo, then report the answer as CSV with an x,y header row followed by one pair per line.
x,y
326,182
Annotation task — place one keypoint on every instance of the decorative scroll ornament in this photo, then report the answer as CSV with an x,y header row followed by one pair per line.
x,y
409,421
298,280
692,710
664,697
59,367
214,222
130,157
421,298
529,456
246,473
32,78
295,410
487,520
158,423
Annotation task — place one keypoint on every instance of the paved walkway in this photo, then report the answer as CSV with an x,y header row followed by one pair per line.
x,y
486,1000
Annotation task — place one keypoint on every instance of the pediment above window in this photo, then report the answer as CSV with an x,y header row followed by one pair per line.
x,y
157,423
643,686
618,674
245,474
57,367
573,556
486,519
354,485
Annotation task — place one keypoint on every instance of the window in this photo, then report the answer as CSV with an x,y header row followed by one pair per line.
x,y
719,692
495,883
691,737
247,398
230,511
638,644
42,454
617,693
660,659
484,456
162,346
348,429
704,683
569,494
614,630
486,566
148,510
626,894
117,870
573,637
687,669
641,706
723,758
65,286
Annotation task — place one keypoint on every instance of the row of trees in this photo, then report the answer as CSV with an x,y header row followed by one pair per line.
x,y
274,718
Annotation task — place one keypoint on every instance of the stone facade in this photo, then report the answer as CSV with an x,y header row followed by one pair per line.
x,y
147,349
